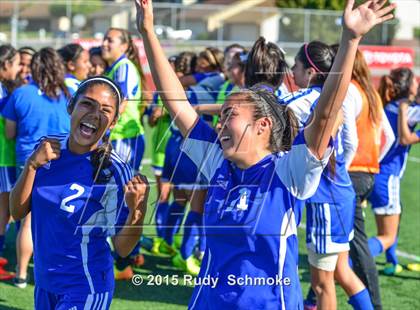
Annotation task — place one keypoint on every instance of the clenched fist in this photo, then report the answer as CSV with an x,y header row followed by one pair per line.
x,y
47,150
136,194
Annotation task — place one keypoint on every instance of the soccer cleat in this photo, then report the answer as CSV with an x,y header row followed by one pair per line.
x,y
413,267
138,260
156,244
391,270
177,241
125,274
189,265
20,282
165,248
6,275
3,261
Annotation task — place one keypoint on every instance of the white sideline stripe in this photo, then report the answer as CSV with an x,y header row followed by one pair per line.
x,y
414,159
399,253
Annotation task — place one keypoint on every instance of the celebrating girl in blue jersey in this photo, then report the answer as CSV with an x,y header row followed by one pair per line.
x,y
77,63
9,69
33,111
330,211
256,173
79,193
400,85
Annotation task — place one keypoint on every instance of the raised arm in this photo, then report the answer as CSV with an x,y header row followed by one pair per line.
x,y
356,23
166,81
406,136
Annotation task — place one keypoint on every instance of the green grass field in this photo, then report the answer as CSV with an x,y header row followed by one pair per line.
x,y
398,292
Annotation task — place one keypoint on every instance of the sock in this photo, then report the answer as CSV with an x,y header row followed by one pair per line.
x,y
375,246
311,297
191,233
160,217
122,262
391,253
136,250
173,221
361,301
17,227
1,244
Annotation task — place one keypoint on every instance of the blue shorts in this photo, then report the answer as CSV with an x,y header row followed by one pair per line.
x,y
329,226
45,300
7,179
130,150
178,167
385,196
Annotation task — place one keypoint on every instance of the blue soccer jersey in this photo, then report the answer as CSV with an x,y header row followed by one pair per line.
x,y
36,115
302,102
385,197
250,222
330,211
72,83
125,74
395,160
282,91
71,219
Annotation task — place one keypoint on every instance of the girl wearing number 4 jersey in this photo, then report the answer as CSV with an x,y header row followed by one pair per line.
x,y
255,172
79,193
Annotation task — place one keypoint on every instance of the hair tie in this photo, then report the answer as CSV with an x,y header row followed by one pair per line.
x,y
309,58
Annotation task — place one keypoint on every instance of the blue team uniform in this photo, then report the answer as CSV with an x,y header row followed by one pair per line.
x,y
71,219
178,168
250,222
302,102
127,137
36,116
330,211
385,197
72,83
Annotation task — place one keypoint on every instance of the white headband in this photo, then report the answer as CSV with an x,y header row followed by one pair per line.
x,y
98,78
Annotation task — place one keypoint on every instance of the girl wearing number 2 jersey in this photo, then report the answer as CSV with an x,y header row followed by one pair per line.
x,y
257,168
79,193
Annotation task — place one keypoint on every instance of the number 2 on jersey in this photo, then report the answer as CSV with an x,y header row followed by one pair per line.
x,y
70,208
